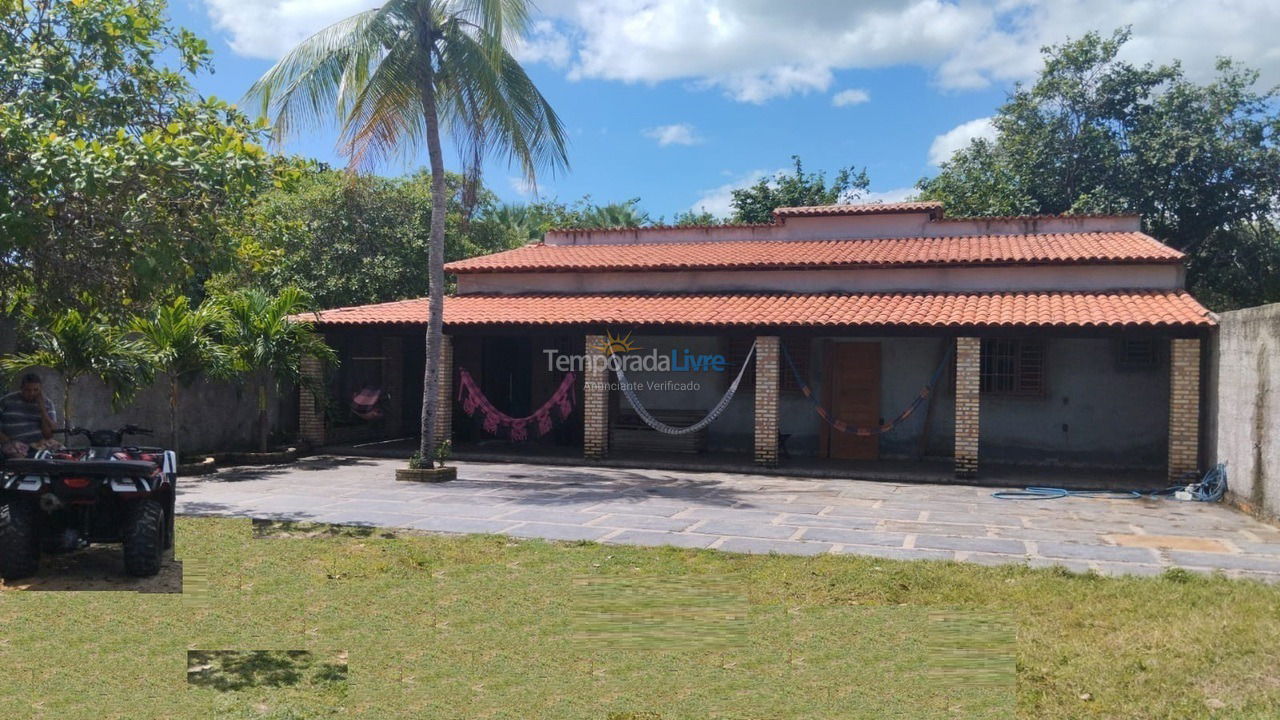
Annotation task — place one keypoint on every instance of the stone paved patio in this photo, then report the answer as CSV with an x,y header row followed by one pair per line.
x,y
753,514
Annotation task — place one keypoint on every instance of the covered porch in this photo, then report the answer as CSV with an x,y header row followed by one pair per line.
x,y
1071,407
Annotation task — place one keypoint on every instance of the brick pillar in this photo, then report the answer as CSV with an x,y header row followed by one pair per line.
x,y
766,414
311,420
1184,407
393,383
595,400
968,364
444,394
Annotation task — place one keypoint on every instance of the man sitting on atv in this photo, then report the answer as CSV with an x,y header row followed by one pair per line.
x,y
26,419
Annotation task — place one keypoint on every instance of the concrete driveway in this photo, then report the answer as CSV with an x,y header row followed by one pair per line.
x,y
753,514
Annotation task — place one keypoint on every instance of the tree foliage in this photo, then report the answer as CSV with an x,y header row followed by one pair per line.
x,y
268,340
114,173
77,344
755,204
696,218
398,75
352,239
182,342
1199,162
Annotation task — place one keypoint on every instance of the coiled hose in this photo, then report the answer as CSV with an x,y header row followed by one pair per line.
x,y
1209,489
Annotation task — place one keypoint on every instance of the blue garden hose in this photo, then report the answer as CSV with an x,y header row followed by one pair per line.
x,y
1209,489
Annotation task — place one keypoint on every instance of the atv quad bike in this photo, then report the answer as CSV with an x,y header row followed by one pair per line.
x,y
107,492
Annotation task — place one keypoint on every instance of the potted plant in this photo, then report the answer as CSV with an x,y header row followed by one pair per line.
x,y
430,469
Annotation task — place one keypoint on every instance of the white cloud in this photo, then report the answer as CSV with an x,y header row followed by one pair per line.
x,y
718,200
543,43
522,186
677,134
270,28
946,144
852,96
756,50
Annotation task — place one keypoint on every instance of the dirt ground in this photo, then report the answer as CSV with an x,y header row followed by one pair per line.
x,y
97,568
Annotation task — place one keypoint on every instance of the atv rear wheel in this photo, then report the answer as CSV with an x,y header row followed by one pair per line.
x,y
144,539
19,543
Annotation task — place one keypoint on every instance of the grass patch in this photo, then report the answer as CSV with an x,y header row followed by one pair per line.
x,y
490,627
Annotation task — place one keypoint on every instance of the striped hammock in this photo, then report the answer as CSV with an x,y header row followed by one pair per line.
x,y
664,428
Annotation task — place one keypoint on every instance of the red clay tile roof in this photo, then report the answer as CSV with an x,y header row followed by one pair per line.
x,y
1050,248
933,207
1173,308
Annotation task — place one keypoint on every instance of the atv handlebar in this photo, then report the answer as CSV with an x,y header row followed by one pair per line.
x,y
94,435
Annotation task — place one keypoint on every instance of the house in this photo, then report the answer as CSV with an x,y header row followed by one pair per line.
x,y
882,333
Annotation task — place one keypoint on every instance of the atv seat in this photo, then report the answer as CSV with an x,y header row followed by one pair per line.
x,y
107,468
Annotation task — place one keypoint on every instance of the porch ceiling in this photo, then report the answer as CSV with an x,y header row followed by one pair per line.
x,y
1137,309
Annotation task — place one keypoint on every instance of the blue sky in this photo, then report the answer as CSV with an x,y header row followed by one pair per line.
x,y
678,101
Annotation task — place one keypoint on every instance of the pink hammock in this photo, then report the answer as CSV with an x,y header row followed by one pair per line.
x,y
364,404
472,399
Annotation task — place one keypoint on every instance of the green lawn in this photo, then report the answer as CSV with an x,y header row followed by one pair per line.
x,y
488,627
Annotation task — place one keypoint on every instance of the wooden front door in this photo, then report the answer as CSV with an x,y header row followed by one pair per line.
x,y
852,393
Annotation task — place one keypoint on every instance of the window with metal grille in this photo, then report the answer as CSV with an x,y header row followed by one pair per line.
x,y
1012,367
736,351
1137,354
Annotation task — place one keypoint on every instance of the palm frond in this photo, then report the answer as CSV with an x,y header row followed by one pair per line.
x,y
304,86
499,97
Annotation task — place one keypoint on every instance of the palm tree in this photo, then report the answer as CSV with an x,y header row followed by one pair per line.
x,y
268,342
517,221
393,76
79,344
182,343
615,215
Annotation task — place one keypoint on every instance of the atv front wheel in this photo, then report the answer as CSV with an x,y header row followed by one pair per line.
x,y
144,539
19,544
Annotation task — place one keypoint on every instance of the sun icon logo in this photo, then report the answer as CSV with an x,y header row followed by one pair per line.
x,y
615,345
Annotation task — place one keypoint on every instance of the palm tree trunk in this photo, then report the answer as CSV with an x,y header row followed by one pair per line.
x,y
262,416
66,403
435,269
173,416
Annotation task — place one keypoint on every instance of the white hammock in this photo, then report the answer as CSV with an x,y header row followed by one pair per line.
x,y
662,427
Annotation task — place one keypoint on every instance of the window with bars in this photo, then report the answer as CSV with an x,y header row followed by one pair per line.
x,y
1012,367
1137,354
736,351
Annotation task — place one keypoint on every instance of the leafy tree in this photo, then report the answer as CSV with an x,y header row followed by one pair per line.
x,y
268,341
113,172
979,180
1199,162
696,218
393,76
181,341
755,204
77,344
350,239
